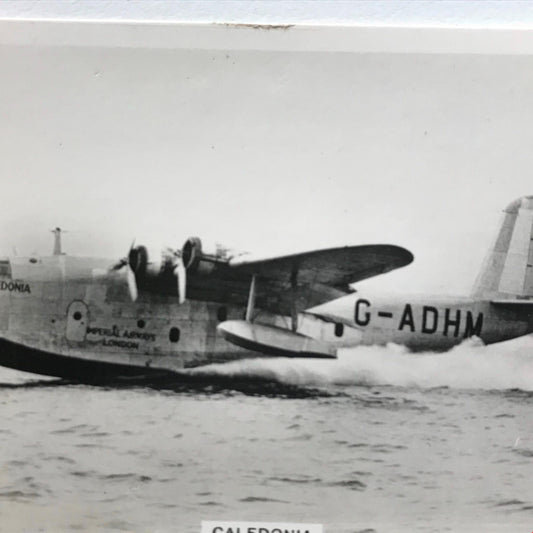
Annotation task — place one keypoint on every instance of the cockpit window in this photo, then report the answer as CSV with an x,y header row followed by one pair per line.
x,y
5,268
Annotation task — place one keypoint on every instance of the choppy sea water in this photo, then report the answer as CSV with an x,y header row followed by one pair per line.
x,y
378,441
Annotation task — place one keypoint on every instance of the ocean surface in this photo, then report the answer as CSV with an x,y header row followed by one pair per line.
x,y
380,441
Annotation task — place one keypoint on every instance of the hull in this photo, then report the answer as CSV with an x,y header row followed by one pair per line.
x,y
68,317
26,359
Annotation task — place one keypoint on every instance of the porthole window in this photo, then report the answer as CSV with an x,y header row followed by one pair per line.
x,y
174,335
339,330
141,323
76,315
5,268
222,314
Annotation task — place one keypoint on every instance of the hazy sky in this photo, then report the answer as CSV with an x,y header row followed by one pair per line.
x,y
264,150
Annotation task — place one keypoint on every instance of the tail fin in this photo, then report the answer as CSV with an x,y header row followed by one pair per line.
x,y
508,267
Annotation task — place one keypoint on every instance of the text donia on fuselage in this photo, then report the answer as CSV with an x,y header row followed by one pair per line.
x,y
15,286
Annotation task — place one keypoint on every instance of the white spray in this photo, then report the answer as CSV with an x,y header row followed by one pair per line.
x,y
467,366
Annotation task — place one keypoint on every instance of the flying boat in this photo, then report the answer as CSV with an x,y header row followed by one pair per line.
x,y
159,315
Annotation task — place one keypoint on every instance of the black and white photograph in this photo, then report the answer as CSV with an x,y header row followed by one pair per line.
x,y
266,267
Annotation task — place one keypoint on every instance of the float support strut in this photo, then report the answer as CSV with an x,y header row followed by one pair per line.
x,y
251,301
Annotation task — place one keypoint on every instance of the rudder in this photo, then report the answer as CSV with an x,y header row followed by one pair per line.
x,y
508,267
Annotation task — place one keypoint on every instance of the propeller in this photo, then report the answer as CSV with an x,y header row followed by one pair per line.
x,y
131,259
181,274
139,269
132,283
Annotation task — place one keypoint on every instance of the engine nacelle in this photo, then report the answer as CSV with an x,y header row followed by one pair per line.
x,y
138,260
145,265
162,273
202,258
191,253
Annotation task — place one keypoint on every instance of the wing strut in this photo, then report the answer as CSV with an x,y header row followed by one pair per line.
x,y
274,340
251,301
294,288
294,295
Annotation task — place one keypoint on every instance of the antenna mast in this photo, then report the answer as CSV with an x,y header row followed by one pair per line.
x,y
57,241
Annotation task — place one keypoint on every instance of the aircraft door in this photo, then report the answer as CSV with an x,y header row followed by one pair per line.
x,y
77,321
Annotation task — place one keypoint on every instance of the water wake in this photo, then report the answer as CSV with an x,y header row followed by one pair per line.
x,y
470,365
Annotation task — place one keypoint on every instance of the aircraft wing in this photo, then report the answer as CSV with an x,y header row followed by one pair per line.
x,y
334,267
308,278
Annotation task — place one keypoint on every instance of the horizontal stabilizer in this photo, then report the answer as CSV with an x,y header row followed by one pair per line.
x,y
274,341
513,302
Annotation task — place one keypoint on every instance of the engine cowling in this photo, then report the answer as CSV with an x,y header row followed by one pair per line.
x,y
191,253
138,260
142,263
166,272
165,275
201,257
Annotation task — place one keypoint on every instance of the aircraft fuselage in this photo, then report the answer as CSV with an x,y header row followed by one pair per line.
x,y
72,317
425,322
72,307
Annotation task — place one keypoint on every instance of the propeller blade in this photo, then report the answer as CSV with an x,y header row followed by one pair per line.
x,y
118,265
130,274
124,261
181,274
132,284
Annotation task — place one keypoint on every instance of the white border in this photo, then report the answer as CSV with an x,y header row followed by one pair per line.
x,y
300,38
